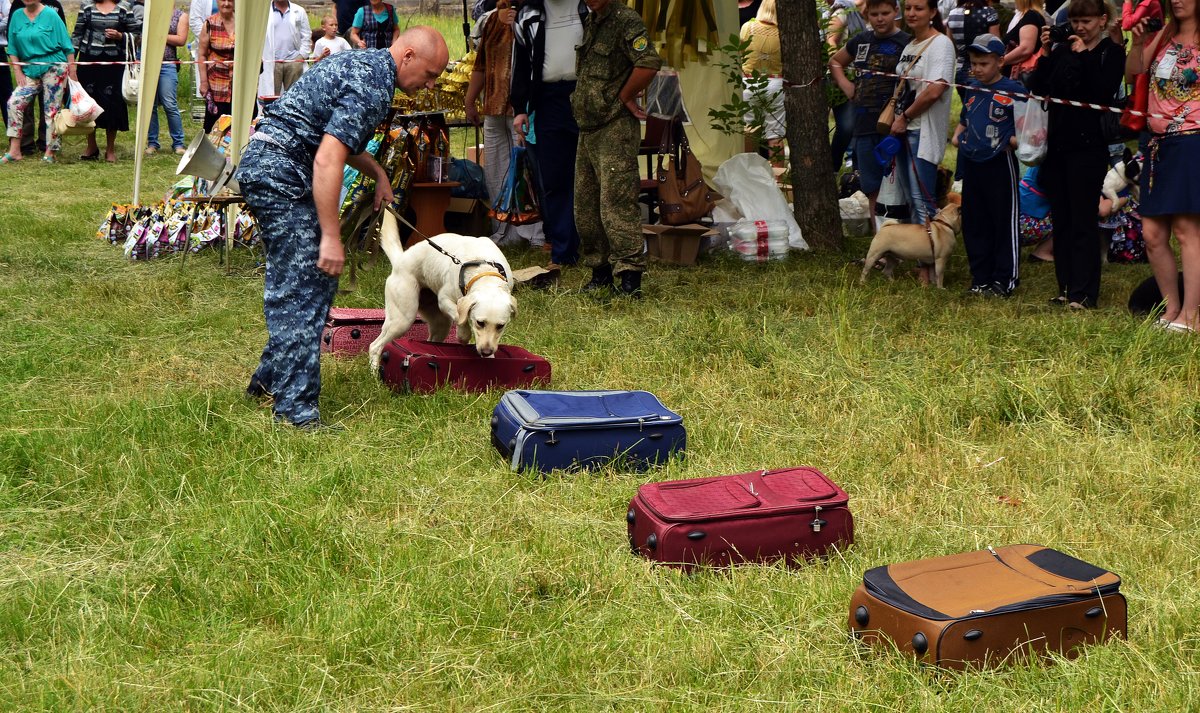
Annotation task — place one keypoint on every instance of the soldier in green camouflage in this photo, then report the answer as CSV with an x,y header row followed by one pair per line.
x,y
612,67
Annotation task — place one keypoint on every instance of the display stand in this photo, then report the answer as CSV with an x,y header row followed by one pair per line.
x,y
428,202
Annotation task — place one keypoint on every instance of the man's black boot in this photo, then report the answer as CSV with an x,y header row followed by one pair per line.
x,y
602,279
631,284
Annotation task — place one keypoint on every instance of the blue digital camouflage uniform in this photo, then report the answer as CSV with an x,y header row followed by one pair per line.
x,y
607,215
345,96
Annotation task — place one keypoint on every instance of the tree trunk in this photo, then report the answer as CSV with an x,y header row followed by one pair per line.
x,y
813,184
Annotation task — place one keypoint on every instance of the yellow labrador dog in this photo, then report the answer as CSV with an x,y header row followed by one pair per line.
x,y
475,291
902,241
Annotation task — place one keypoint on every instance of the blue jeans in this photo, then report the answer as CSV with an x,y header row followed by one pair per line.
x,y
554,153
919,179
166,97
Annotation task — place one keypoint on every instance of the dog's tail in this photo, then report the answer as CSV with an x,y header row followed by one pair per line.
x,y
389,237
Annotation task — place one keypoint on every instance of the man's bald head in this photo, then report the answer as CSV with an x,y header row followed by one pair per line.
x,y
421,55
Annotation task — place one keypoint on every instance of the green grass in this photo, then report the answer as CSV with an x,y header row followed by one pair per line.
x,y
164,546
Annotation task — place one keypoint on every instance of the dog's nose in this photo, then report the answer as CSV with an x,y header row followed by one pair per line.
x,y
486,352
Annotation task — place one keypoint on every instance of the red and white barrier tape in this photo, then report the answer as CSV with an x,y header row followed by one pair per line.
x,y
137,62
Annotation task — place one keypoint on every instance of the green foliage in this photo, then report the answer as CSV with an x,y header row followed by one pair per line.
x,y
744,113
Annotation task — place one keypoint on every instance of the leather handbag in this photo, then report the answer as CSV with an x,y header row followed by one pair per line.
x,y
883,125
683,196
132,78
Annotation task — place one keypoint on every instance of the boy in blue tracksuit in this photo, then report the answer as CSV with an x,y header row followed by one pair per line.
x,y
985,137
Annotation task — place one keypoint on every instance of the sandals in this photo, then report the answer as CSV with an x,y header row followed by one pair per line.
x,y
47,159
9,158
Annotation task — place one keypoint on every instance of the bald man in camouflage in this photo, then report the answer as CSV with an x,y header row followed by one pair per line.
x,y
614,65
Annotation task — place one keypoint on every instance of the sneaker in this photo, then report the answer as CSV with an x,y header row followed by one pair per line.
x,y
976,290
997,290
151,150
179,150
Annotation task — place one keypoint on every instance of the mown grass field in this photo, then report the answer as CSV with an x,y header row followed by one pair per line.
x,y
165,546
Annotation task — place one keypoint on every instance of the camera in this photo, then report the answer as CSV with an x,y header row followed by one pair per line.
x,y
1154,24
1061,33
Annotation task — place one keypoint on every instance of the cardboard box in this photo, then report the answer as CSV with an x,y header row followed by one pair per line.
x,y
468,216
677,244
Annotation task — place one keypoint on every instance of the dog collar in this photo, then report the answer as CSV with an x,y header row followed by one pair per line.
x,y
486,273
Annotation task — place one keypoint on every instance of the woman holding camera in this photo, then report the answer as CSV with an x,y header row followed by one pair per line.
x,y
1085,66
1170,197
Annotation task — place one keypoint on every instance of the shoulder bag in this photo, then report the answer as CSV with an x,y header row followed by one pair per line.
x,y
683,196
883,125
132,78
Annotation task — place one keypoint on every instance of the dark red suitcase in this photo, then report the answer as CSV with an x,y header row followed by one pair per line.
x,y
413,365
350,331
792,514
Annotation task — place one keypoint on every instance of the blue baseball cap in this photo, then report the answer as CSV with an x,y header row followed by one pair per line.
x,y
988,43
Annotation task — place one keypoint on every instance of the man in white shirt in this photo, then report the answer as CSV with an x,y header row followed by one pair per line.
x,y
289,38
199,11
546,33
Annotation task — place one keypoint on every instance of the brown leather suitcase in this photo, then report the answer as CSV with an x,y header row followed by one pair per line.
x,y
987,607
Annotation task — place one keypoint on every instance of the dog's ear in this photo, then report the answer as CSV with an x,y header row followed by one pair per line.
x,y
465,304
1127,156
512,302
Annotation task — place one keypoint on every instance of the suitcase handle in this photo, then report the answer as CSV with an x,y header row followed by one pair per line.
x,y
654,436
432,365
529,368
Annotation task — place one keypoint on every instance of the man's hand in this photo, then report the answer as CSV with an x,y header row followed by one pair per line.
x,y
383,193
473,113
521,126
636,110
331,256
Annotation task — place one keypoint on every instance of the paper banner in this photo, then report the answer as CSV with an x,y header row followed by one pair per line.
x,y
155,24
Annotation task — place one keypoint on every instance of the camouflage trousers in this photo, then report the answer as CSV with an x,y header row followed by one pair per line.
x,y
296,295
607,214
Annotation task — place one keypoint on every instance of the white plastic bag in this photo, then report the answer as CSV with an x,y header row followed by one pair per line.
x,y
1030,118
856,214
748,182
83,107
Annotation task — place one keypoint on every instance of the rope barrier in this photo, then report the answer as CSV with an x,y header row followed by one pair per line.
x,y
1020,95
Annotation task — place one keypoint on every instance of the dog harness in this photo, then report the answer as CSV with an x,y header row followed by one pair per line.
x,y
929,233
463,284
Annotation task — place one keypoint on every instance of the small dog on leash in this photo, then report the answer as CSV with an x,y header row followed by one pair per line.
x,y
903,241
448,277
1125,173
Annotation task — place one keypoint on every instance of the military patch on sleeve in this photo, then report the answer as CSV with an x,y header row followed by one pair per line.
x,y
640,44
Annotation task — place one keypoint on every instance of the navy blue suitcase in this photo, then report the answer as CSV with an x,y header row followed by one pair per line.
x,y
544,430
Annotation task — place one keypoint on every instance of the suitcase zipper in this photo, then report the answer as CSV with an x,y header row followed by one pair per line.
x,y
1028,604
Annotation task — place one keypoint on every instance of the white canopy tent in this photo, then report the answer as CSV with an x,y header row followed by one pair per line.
x,y
250,32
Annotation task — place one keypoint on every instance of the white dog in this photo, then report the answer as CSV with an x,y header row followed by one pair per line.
x,y
1124,174
475,292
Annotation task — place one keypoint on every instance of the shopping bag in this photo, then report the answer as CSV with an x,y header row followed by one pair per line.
x,y
65,124
664,99
1031,120
83,107
517,202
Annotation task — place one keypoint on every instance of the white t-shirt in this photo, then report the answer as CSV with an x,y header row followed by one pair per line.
x,y
337,44
936,63
564,32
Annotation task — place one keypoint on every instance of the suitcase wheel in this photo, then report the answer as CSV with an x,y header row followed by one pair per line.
x,y
862,616
920,644
630,516
696,535
973,635
1094,612
355,334
495,421
652,541
327,337
383,358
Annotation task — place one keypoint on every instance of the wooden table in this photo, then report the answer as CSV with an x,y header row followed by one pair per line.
x,y
429,202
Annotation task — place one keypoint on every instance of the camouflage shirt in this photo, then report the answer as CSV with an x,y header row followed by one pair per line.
x,y
614,42
345,96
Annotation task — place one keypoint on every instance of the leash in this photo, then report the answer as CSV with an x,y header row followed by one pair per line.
x,y
463,284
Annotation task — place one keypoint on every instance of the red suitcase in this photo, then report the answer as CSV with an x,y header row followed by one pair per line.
x,y
413,365
791,514
350,331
